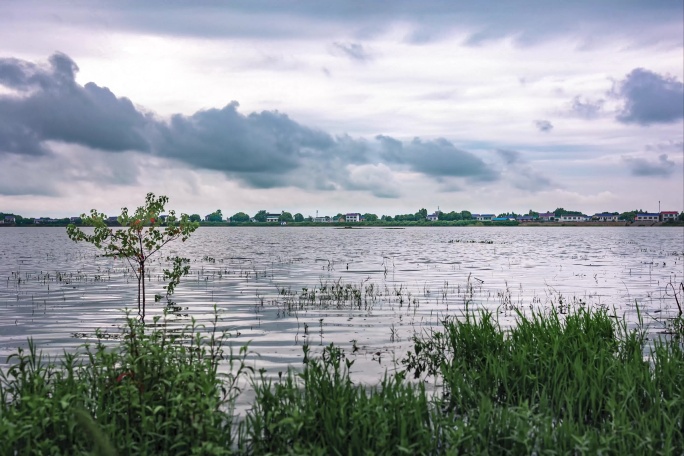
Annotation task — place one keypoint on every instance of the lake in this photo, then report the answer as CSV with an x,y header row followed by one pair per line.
x,y
368,290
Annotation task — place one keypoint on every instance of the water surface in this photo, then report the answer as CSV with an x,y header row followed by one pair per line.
x,y
59,292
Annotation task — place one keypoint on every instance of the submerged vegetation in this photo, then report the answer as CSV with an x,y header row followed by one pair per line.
x,y
577,382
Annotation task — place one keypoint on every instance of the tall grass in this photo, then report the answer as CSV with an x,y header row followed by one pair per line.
x,y
320,411
566,383
158,392
575,383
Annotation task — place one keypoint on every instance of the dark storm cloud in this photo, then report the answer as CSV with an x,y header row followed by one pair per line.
x,y
47,113
650,98
48,105
642,167
437,157
543,125
260,148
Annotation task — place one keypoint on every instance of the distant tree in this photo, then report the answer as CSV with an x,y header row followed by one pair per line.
x,y
450,216
339,216
240,217
681,217
23,220
370,217
195,218
260,216
533,214
216,216
466,215
309,219
386,218
630,215
298,217
421,214
560,212
405,217
508,215
286,217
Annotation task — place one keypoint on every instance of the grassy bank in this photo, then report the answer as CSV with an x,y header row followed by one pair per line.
x,y
553,384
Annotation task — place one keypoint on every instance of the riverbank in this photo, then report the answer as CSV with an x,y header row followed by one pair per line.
x,y
557,382
469,223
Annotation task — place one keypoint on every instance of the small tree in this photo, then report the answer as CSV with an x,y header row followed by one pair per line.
x,y
240,217
142,235
260,216
286,217
216,216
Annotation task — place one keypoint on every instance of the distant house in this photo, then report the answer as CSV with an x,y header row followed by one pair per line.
x,y
272,218
548,217
574,218
647,217
665,216
525,218
433,217
485,217
604,217
75,219
9,219
324,219
352,217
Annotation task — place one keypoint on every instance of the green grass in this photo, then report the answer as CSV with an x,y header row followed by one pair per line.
x,y
575,383
158,392
565,383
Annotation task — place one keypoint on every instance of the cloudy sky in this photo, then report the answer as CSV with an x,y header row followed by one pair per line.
x,y
341,106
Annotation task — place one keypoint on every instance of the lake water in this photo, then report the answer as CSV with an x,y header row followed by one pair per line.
x,y
281,287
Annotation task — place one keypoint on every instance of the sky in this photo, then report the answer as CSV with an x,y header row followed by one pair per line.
x,y
341,106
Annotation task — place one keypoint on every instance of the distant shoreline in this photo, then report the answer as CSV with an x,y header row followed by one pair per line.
x,y
474,224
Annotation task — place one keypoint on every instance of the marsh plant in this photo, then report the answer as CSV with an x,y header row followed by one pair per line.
x,y
575,383
143,233
157,391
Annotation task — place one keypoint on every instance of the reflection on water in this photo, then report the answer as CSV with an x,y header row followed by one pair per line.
x,y
368,290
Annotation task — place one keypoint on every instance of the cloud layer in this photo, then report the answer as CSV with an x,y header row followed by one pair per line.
x,y
262,150
650,98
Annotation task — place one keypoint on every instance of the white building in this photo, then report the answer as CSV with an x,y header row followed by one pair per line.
x,y
605,217
647,217
666,216
574,218
353,217
272,218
